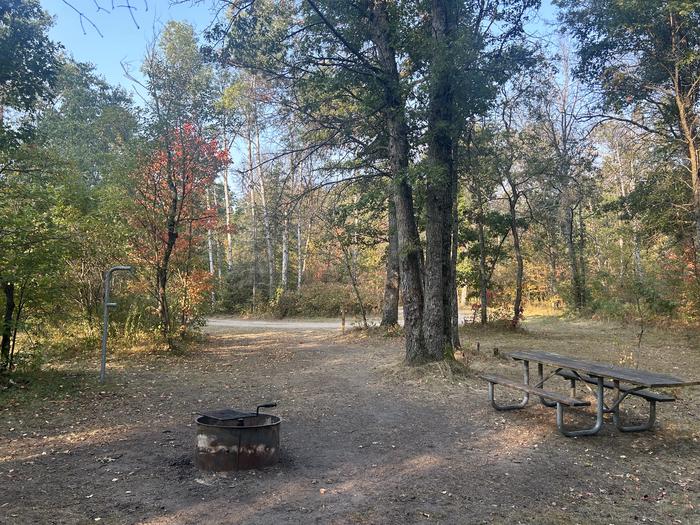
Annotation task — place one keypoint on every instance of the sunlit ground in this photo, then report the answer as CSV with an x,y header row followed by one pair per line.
x,y
364,439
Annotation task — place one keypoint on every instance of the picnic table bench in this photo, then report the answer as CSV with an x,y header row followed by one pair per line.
x,y
603,376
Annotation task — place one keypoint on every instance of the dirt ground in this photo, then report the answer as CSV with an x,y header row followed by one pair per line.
x,y
364,439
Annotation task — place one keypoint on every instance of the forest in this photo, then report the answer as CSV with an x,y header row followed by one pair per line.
x,y
433,163
349,262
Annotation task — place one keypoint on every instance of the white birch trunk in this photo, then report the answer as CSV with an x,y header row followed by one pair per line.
x,y
229,238
267,230
300,255
285,252
210,249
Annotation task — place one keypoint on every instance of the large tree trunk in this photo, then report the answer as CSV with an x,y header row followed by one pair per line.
x,y
406,227
390,303
435,277
686,102
410,270
439,187
517,302
7,324
690,134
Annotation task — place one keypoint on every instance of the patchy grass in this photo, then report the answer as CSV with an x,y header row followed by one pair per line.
x,y
612,342
31,388
357,331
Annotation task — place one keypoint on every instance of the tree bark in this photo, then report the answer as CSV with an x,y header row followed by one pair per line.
x,y
439,195
217,243
253,214
7,324
285,252
162,269
456,343
483,278
300,253
390,303
227,215
517,302
409,242
695,184
583,290
552,252
573,258
15,325
347,255
267,227
690,136
210,252
638,269
686,99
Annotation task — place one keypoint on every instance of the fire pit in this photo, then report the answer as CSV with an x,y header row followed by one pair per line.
x,y
233,440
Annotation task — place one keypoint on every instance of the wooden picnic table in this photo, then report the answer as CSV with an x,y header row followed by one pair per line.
x,y
601,375
641,378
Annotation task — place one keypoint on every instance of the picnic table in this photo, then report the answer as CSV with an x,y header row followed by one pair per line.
x,y
623,382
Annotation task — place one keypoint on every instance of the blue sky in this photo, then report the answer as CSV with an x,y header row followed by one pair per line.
x,y
123,41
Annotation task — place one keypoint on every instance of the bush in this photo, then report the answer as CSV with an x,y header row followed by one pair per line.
x,y
321,300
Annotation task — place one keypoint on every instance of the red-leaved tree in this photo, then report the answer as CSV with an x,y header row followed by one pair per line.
x,y
171,212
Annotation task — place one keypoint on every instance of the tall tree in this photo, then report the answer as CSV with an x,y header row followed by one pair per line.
x,y
567,166
644,56
179,85
28,69
93,126
439,192
28,63
384,32
370,58
390,301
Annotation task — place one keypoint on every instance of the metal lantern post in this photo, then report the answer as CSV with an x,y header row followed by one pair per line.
x,y
107,306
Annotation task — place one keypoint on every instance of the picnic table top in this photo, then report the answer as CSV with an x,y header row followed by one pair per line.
x,y
628,375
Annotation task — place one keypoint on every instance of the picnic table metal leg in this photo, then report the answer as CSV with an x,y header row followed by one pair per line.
x,y
599,415
540,382
631,428
526,396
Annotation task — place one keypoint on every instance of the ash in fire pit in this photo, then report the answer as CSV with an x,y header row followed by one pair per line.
x,y
233,440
